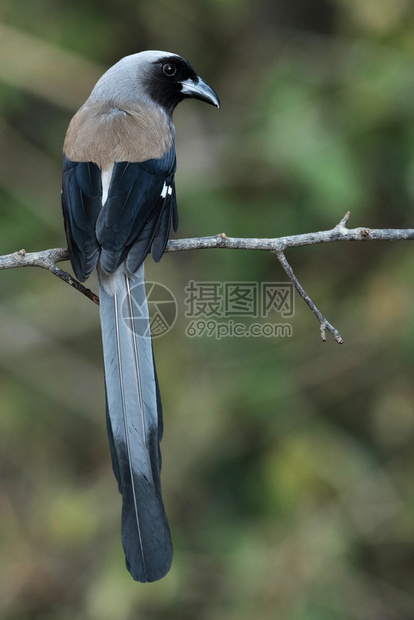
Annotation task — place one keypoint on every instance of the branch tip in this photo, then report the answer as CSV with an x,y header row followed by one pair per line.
x,y
331,329
343,222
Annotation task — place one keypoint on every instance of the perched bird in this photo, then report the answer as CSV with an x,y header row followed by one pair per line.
x,y
119,202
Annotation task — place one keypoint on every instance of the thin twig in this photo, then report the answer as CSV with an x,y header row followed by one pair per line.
x,y
324,324
66,277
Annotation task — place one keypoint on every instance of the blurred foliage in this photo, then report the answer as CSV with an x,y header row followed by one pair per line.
x,y
288,464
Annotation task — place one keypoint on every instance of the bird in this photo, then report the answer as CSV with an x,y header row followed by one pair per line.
x,y
119,204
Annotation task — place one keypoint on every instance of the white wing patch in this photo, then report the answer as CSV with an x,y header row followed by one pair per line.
x,y
167,189
106,181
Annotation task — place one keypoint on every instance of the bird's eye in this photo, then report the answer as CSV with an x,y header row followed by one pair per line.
x,y
169,70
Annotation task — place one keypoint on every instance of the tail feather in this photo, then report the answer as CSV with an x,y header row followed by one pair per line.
x,y
134,419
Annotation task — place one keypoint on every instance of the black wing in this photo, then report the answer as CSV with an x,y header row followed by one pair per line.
x,y
138,213
81,203
136,217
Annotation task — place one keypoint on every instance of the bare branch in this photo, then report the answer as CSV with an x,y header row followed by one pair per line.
x,y
280,244
47,259
33,259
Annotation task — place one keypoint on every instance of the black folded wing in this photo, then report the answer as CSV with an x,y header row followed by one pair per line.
x,y
136,217
81,203
138,212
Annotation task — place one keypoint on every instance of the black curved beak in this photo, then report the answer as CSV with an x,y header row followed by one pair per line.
x,y
199,89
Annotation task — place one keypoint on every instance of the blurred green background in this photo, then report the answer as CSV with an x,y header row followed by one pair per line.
x,y
288,464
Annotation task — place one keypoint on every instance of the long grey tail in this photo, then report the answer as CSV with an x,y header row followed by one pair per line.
x,y
134,419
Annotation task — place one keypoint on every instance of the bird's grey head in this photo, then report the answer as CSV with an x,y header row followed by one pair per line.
x,y
153,77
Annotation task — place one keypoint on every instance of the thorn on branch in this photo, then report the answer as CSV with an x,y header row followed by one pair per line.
x,y
344,221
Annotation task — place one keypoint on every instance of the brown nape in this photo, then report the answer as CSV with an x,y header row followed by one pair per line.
x,y
103,133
